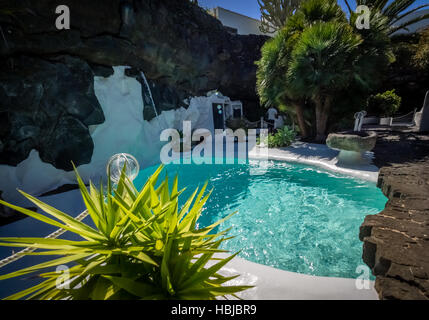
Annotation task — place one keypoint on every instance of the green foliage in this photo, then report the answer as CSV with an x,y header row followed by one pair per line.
x,y
323,58
276,57
142,246
408,77
270,80
314,11
386,103
284,137
421,58
274,13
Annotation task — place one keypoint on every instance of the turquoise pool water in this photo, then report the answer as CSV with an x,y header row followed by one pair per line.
x,y
294,217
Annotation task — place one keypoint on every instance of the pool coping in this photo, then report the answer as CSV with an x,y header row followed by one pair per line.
x,y
312,154
276,284
318,155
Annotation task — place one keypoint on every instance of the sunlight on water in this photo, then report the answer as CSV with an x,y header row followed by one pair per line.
x,y
294,217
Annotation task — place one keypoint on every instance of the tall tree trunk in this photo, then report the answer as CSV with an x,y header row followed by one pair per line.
x,y
301,121
323,106
319,111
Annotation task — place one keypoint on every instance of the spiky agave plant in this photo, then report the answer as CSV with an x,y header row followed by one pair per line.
x,y
142,247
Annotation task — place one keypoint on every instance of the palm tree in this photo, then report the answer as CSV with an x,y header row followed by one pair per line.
x,y
322,65
319,56
271,81
394,11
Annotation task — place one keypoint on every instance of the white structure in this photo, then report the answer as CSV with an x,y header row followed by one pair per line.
x,y
241,23
421,118
359,116
220,109
416,27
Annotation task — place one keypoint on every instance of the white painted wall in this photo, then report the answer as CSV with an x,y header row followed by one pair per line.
x,y
244,25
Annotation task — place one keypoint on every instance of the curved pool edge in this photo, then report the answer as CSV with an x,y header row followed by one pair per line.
x,y
318,155
276,284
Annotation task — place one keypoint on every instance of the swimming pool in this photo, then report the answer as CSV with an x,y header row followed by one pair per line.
x,y
293,217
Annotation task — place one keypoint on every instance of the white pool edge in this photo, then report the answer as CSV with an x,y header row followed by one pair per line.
x,y
275,284
297,153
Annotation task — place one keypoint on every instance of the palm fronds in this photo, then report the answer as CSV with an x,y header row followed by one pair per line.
x,y
396,11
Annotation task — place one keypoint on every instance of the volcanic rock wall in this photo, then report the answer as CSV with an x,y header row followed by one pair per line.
x,y
47,99
396,240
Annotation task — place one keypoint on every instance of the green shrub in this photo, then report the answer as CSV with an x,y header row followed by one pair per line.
x,y
384,104
282,138
142,246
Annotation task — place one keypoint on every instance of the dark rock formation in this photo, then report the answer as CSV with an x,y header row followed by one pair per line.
x,y
47,105
181,49
396,240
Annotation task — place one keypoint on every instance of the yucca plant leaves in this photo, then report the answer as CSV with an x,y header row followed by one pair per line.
x,y
80,227
143,245
136,288
37,216
48,264
214,291
30,290
204,274
102,290
143,257
49,241
165,272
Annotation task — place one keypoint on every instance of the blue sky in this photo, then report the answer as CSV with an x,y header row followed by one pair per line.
x,y
251,8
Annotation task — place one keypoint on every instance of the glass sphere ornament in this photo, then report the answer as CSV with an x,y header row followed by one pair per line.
x,y
116,164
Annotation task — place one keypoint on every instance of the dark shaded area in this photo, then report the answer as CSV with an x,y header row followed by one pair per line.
x,y
61,189
410,81
396,240
400,146
8,215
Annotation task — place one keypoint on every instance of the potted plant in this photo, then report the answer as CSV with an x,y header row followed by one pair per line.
x,y
385,104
